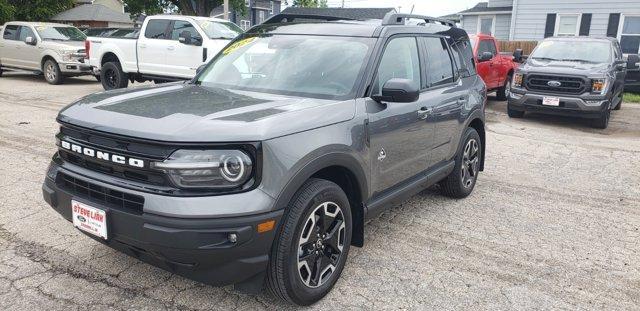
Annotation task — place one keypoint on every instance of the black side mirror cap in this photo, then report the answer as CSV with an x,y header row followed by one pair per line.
x,y
633,62
517,56
399,91
485,56
185,37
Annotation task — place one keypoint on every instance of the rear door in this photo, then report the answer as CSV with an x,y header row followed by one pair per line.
x,y
399,134
184,59
9,48
447,96
29,55
152,48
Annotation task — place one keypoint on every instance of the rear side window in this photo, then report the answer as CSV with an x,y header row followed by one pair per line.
x,y
157,28
439,64
400,60
487,46
10,32
25,32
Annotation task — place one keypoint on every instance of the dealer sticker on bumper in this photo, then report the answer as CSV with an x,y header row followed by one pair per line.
x,y
89,219
551,101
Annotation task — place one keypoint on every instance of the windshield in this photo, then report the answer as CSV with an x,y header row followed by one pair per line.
x,y
60,33
220,30
311,66
573,50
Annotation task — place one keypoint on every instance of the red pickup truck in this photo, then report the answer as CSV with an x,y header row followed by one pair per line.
x,y
496,69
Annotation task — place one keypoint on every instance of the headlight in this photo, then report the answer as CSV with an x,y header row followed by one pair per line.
x,y
599,86
212,169
70,56
517,79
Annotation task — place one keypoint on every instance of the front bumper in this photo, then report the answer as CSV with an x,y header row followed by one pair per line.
x,y
75,68
585,106
198,248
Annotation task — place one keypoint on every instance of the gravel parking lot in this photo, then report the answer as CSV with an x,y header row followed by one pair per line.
x,y
554,222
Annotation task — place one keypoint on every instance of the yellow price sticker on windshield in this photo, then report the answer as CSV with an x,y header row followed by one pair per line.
x,y
238,45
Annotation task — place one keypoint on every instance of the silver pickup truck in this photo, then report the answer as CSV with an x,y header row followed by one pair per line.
x,y
55,50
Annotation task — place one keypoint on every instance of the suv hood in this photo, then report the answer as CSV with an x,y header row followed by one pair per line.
x,y
63,45
565,67
181,112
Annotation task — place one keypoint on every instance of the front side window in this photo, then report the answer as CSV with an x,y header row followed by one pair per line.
x,y
400,60
567,24
26,32
220,30
630,35
487,46
588,51
10,32
60,33
309,66
486,25
180,26
157,29
439,64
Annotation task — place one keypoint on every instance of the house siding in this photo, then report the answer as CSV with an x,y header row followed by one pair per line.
x,y
530,16
503,24
500,3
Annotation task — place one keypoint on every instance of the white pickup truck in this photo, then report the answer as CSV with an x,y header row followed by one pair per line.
x,y
169,48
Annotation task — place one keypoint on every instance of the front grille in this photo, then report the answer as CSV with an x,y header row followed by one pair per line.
x,y
99,194
568,85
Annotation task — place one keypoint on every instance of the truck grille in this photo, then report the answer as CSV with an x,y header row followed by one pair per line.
x,y
99,194
568,85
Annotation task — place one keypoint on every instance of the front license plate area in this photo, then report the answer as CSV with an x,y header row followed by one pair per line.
x,y
551,101
89,219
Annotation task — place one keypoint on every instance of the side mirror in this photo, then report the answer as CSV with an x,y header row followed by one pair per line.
x,y
633,62
485,56
185,37
517,56
399,91
30,40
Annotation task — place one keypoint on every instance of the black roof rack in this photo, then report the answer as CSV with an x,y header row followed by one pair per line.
x,y
288,18
400,19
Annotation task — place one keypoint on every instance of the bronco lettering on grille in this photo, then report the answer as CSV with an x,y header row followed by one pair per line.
x,y
101,155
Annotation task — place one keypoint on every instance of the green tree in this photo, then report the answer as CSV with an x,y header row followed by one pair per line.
x,y
186,7
38,10
310,3
7,12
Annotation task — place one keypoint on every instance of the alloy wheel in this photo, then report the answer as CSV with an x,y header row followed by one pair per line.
x,y
110,78
320,245
470,160
50,72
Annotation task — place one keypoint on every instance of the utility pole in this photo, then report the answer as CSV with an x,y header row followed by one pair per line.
x,y
225,7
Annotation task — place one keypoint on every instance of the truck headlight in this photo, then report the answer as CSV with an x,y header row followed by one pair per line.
x,y
599,86
212,169
517,79
71,56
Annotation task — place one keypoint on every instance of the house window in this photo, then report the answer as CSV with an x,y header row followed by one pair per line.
x,y
486,24
261,16
630,34
567,24
245,24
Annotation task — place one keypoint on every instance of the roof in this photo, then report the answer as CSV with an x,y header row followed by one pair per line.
x,y
92,12
196,18
483,7
347,13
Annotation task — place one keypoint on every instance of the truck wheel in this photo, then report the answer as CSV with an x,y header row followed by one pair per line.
x,y
311,247
602,122
112,76
504,91
619,105
52,72
514,113
459,184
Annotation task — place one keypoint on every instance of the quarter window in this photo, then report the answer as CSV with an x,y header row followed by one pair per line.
x,y
157,28
630,34
10,32
439,64
400,60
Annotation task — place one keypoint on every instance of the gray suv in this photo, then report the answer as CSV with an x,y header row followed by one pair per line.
x,y
572,76
266,166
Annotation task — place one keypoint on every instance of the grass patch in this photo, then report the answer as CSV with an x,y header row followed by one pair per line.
x,y
631,98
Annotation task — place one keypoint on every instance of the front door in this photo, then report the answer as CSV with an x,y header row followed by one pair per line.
x,y
184,59
486,69
400,134
29,54
152,48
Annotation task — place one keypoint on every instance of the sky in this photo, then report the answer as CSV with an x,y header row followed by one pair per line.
x,y
423,7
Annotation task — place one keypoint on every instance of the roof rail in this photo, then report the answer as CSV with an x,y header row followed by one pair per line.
x,y
399,19
287,18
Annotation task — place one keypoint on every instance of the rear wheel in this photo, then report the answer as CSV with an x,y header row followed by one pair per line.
x,y
312,244
514,113
52,72
112,76
504,91
460,183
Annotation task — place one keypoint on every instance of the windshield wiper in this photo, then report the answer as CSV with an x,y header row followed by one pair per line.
x,y
226,38
545,58
55,39
578,60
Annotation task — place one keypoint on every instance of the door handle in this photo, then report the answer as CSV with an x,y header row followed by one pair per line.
x,y
424,113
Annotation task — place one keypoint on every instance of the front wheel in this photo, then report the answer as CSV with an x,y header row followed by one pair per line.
x,y
602,122
504,91
112,76
514,113
52,72
311,247
460,183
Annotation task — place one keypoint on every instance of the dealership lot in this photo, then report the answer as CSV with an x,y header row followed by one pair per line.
x,y
554,222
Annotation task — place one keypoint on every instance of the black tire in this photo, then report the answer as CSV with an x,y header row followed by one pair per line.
x,y
52,73
460,183
619,105
112,76
514,113
285,278
602,122
504,91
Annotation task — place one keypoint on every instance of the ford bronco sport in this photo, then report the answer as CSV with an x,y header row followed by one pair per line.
x,y
267,164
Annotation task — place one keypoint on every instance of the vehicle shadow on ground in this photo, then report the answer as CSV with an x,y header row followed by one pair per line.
x,y
32,77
